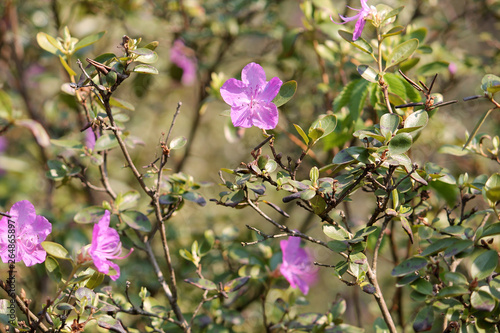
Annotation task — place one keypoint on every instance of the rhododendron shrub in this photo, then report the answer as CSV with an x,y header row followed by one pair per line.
x,y
249,166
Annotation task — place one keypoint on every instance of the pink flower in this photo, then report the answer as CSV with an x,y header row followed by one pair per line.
x,y
183,57
21,235
362,16
297,266
106,246
250,98
452,68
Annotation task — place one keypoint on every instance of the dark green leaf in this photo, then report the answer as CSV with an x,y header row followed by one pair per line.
x,y
453,291
458,247
422,286
400,143
286,93
110,323
409,266
53,269
57,170
484,264
194,197
424,320
136,220
236,284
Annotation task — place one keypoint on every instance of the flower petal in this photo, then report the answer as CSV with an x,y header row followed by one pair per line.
x,y
23,212
271,90
358,28
241,116
254,77
266,116
234,92
36,257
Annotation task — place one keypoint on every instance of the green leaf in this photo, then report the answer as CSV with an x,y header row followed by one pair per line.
x,y
236,284
194,197
379,326
452,291
301,133
307,194
396,86
105,142
145,69
49,43
409,266
400,143
433,68
89,40
71,144
177,142
360,43
458,247
419,34
152,46
389,123
417,120
482,301
492,189
345,95
127,200
484,264
57,170
490,84
335,232
438,246
136,220
90,214
358,98
424,320
422,286
401,52
95,280
315,134
119,103
145,55
492,229
325,122
286,93
111,324
394,31
456,278
53,269
368,73
202,283
56,250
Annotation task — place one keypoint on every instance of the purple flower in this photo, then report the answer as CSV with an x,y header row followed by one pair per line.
x,y
297,266
21,235
250,98
106,246
362,16
452,68
89,138
183,57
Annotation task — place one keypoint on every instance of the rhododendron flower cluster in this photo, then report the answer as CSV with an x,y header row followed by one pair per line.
x,y
22,233
251,98
297,266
